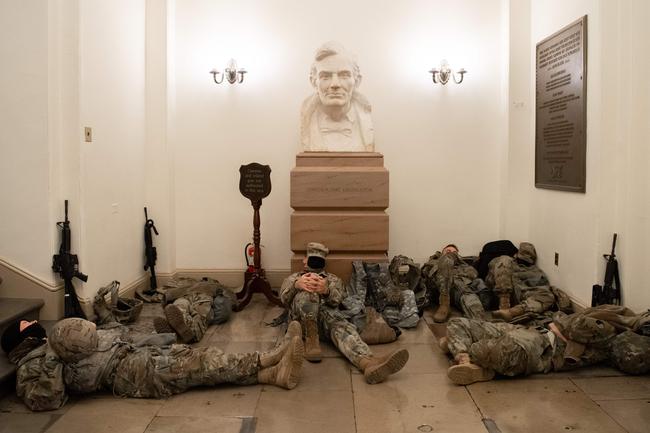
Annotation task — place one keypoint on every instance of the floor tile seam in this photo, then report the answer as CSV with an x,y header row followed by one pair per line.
x,y
598,406
354,403
646,399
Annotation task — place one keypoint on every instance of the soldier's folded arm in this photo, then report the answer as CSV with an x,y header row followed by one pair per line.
x,y
39,380
288,289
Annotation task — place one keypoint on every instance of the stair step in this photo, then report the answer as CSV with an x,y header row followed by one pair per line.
x,y
12,309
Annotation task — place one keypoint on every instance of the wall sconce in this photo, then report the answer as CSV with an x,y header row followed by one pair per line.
x,y
230,73
442,75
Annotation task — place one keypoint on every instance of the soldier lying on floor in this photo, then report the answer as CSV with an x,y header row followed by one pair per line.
x,y
519,279
313,297
78,358
191,306
455,281
600,334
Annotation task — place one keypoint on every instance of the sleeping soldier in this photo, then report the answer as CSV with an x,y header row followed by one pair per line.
x,y
78,358
604,333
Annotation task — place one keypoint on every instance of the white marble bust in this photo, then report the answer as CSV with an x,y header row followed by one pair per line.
x,y
336,118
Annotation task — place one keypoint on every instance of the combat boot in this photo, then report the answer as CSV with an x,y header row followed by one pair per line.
x,y
510,313
465,373
443,310
443,343
274,355
285,373
161,325
504,301
176,320
377,330
312,342
377,368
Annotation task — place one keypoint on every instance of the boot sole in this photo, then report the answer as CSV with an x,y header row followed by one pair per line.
x,y
391,366
176,321
161,325
466,374
294,330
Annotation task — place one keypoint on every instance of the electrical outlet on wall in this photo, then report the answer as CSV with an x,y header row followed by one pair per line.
x,y
115,208
88,134
557,259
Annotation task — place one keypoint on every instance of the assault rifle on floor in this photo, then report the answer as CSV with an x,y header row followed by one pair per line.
x,y
150,253
610,291
67,265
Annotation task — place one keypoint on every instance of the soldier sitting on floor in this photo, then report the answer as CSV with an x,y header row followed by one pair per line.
x,y
78,358
313,297
598,334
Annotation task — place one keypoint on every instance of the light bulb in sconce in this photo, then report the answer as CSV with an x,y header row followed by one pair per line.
x,y
230,74
443,74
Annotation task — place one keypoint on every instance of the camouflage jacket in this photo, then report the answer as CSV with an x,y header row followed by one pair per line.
x,y
43,378
334,285
593,330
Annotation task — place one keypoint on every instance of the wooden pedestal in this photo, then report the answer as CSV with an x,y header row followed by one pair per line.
x,y
339,199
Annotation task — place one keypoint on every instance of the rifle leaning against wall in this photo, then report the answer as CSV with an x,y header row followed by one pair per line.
x,y
67,266
150,253
610,291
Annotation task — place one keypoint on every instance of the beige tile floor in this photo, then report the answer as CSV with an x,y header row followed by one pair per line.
x,y
333,397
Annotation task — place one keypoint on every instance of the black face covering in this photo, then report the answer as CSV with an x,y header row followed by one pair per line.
x,y
12,336
315,262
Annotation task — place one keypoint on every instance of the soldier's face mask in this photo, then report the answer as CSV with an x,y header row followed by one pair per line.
x,y
315,262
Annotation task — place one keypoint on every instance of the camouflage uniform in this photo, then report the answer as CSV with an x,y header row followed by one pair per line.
x,y
201,303
145,366
332,323
508,349
520,279
591,338
449,274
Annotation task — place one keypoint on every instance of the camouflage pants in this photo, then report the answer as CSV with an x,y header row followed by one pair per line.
x,y
508,349
499,277
332,325
197,312
154,372
457,286
467,301
537,300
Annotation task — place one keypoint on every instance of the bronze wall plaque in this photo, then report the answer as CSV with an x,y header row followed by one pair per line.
x,y
561,109
255,181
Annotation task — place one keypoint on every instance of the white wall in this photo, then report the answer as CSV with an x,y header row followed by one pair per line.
x,y
112,102
579,226
25,230
442,145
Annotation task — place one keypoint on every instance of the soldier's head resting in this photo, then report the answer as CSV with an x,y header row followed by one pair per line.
x,y
21,330
449,248
316,253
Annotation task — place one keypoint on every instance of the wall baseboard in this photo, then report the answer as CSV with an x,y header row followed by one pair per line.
x,y
18,283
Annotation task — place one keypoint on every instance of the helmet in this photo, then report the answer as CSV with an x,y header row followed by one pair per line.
x,y
73,339
631,353
127,310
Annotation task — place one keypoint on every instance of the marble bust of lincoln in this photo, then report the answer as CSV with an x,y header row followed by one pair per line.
x,y
336,118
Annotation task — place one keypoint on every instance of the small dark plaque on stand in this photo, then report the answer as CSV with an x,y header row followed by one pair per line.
x,y
255,184
561,109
